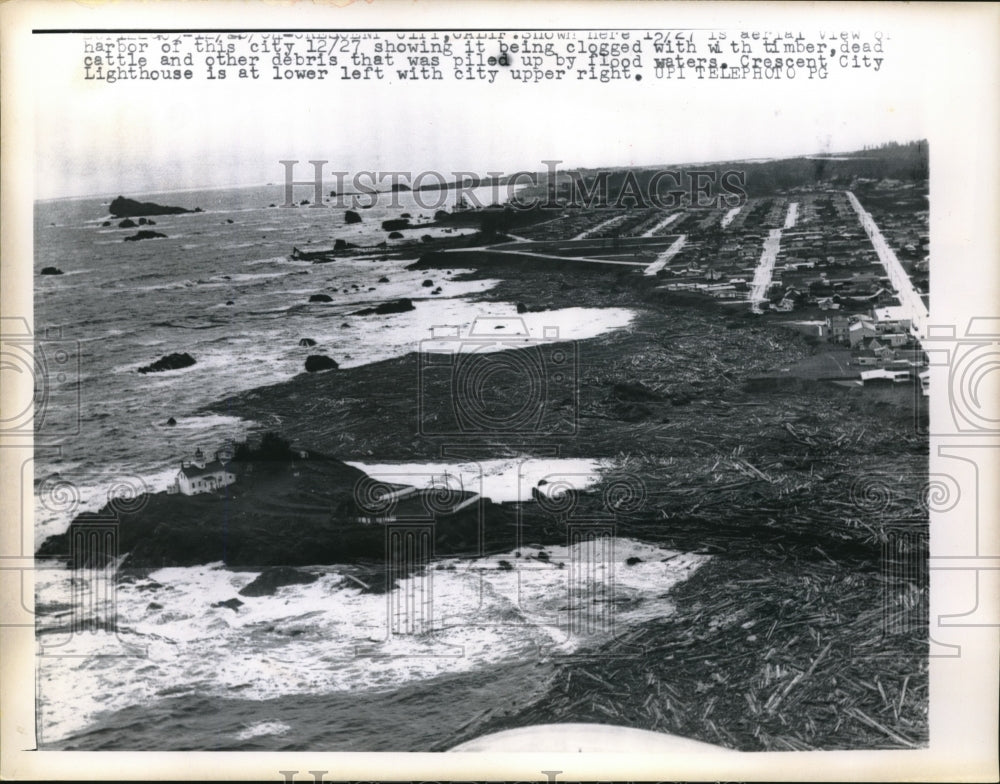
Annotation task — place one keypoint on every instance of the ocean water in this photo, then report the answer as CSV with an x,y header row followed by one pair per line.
x,y
101,432
171,646
121,305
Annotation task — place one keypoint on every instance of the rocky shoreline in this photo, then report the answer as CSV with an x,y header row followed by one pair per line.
x,y
122,207
775,482
671,396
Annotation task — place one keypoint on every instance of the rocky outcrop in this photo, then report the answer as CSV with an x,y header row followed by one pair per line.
x,y
428,283
383,280
315,256
395,235
368,580
51,271
284,510
317,362
395,224
145,234
169,362
233,604
307,342
270,580
171,422
128,223
395,306
129,208
350,216
242,523
321,298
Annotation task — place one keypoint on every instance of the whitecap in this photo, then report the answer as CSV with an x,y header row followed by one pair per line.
x,y
262,728
329,636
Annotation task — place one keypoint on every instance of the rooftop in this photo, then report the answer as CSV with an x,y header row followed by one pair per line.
x,y
215,467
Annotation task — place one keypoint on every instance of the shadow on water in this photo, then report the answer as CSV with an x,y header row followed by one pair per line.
x,y
420,717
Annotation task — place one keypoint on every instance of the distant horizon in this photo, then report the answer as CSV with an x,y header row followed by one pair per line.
x,y
278,181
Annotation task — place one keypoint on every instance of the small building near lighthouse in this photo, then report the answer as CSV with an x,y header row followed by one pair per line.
x,y
197,476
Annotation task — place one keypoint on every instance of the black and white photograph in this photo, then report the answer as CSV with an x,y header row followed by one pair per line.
x,y
569,380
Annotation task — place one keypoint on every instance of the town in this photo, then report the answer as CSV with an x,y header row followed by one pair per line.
x,y
844,264
754,398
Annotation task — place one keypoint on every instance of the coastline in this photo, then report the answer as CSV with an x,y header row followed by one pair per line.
x,y
703,451
678,406
774,480
678,394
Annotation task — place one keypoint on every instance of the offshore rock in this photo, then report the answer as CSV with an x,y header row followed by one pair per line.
x,y
270,580
395,306
317,362
169,362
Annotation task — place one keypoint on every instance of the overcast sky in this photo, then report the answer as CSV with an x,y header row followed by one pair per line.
x,y
135,137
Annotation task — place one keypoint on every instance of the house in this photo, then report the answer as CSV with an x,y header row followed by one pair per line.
x,y
891,319
860,331
865,357
895,363
875,352
197,476
828,303
883,296
880,348
839,327
722,291
896,338
785,306
882,374
915,356
813,328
